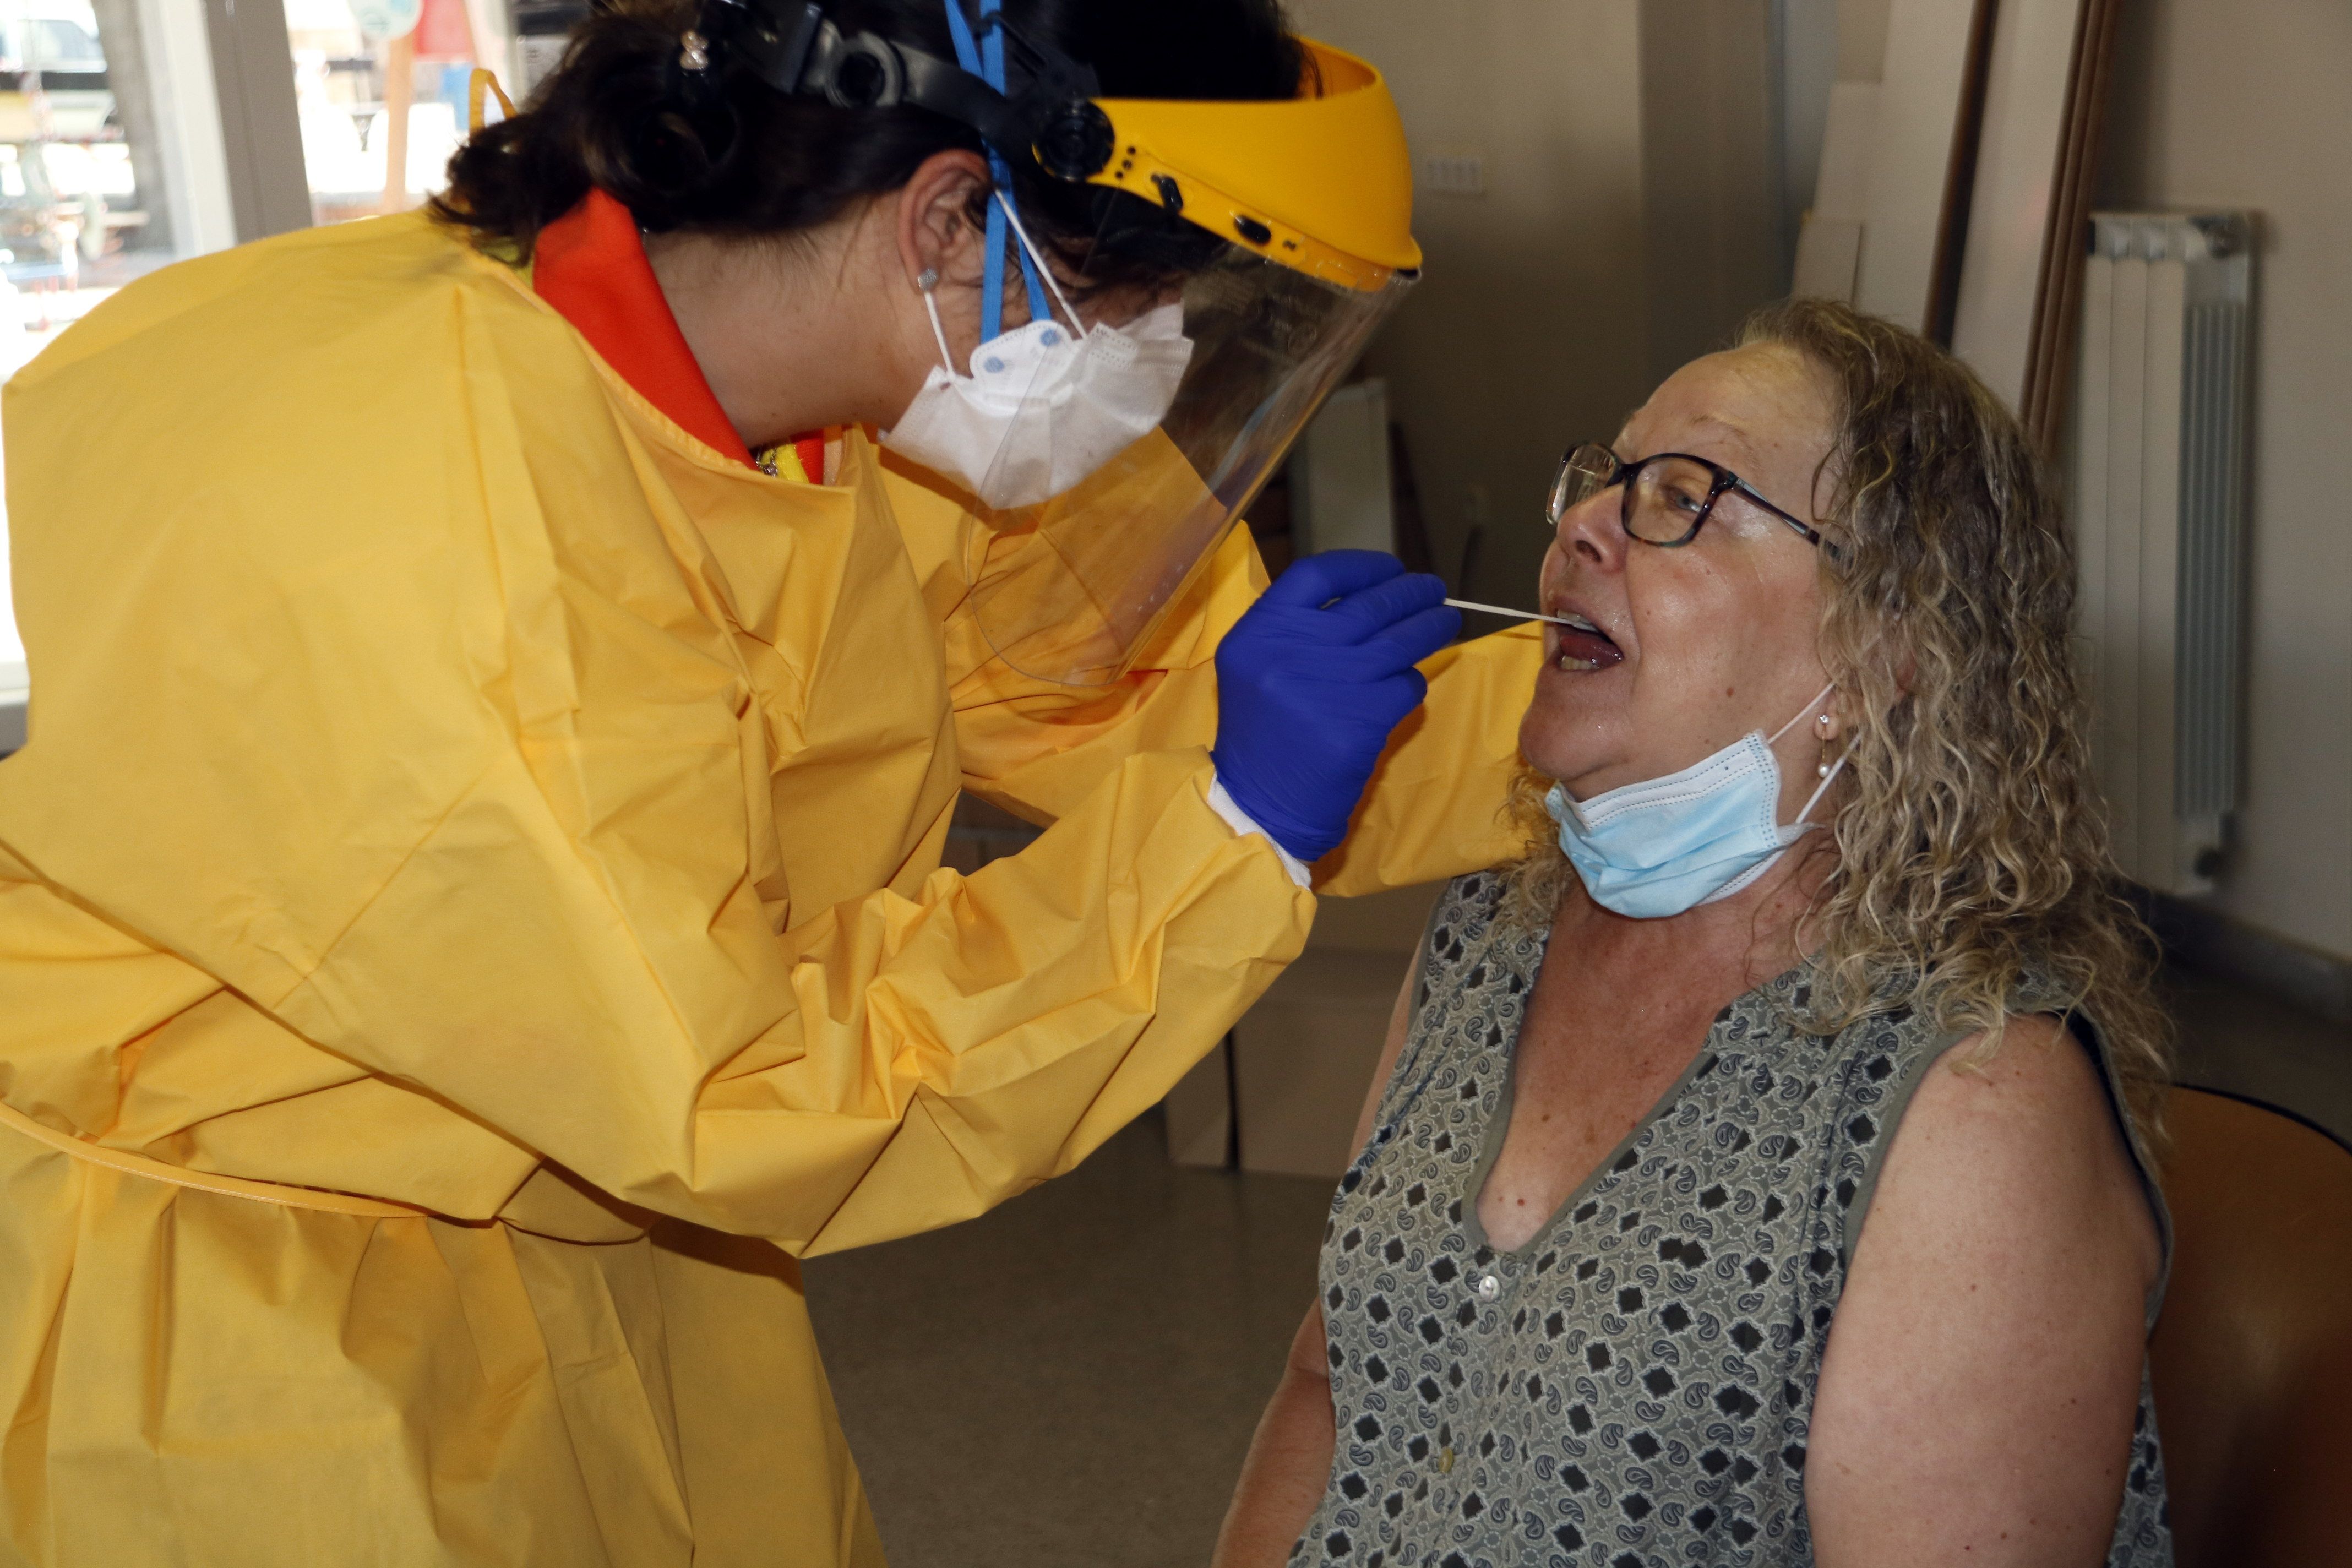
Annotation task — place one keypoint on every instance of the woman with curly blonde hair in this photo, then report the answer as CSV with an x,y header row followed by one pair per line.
x,y
1819,925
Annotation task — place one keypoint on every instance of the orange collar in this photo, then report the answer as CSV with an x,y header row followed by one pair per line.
x,y
590,266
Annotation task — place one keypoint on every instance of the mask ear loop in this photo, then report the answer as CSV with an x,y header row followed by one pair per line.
x,y
928,281
1029,249
1829,775
1803,714
1820,790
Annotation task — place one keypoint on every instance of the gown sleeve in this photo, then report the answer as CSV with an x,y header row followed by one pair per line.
x,y
1439,803
552,933
893,1065
1035,747
1434,809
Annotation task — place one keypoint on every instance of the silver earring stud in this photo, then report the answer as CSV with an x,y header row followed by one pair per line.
x,y
694,52
928,279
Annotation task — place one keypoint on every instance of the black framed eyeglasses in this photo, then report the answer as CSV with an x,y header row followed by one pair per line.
x,y
1669,496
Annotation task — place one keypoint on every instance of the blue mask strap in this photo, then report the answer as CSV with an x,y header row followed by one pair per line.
x,y
992,61
985,60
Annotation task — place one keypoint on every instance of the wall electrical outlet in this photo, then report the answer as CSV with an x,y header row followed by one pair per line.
x,y
1464,175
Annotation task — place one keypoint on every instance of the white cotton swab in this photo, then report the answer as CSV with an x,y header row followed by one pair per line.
x,y
1499,610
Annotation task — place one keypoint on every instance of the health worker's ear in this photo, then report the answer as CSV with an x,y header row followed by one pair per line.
x,y
936,233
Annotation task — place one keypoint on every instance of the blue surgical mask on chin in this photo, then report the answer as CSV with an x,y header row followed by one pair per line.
x,y
1663,846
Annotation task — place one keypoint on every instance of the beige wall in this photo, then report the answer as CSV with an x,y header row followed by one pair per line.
x,y
1712,213
1526,333
1861,39
2232,104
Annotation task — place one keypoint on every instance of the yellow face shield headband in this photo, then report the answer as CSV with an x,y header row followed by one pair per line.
x,y
1321,182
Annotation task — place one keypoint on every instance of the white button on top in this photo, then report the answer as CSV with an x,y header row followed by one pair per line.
x,y
1489,1288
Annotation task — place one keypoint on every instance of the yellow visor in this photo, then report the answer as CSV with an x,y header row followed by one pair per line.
x,y
1321,182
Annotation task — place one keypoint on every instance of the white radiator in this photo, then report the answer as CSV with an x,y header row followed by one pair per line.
x,y
2159,480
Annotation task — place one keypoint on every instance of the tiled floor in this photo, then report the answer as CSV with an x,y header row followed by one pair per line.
x,y
1072,1381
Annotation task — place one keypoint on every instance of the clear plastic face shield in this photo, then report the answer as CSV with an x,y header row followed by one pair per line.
x,y
1108,441
1125,451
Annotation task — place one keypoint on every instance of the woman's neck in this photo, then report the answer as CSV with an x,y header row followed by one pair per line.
x,y
791,338
1739,942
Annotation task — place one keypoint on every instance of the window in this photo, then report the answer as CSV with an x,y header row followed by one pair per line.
x,y
64,46
93,193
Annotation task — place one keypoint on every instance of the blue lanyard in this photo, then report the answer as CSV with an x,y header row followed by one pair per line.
x,y
986,62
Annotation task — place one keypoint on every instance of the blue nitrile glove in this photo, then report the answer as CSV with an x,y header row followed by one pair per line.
x,y
1310,683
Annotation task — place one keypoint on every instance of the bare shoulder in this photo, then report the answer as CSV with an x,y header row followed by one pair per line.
x,y
1982,1375
2023,1139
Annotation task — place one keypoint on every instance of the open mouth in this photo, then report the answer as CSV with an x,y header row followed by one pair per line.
x,y
1581,646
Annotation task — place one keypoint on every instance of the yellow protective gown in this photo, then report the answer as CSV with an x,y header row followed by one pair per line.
x,y
451,785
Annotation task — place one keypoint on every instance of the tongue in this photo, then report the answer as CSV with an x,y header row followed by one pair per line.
x,y
1590,646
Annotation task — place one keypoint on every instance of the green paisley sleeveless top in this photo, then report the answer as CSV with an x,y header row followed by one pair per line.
x,y
1631,1388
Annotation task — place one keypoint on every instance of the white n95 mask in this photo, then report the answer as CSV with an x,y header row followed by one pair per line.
x,y
1045,406
1666,845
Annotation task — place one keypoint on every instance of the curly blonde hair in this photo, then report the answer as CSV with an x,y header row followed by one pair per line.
x,y
1972,852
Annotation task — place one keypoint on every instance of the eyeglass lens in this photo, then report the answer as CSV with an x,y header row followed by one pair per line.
x,y
1582,477
1669,499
